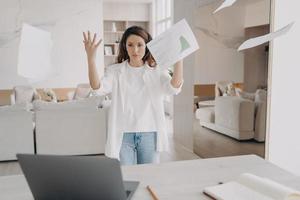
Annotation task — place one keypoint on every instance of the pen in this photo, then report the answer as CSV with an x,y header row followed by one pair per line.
x,y
220,183
152,193
209,196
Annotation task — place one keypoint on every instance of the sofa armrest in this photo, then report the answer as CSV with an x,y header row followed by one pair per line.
x,y
70,95
234,113
260,121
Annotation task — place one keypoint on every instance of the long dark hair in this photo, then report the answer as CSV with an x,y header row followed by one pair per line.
x,y
139,31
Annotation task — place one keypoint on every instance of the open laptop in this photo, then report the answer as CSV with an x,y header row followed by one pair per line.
x,y
53,177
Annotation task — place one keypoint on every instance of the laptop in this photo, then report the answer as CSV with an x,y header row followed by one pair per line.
x,y
52,177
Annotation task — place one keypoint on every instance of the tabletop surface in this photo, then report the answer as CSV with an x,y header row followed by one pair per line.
x,y
176,180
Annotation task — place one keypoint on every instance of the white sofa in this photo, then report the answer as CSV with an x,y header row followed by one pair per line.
x,y
237,117
70,128
16,132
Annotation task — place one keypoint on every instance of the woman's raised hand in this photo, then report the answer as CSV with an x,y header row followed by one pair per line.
x,y
91,45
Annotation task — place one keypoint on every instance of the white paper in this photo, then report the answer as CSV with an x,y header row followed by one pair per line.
x,y
232,42
225,4
253,42
173,45
34,59
266,186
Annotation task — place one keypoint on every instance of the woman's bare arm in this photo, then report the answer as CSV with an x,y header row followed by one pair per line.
x,y
91,50
177,77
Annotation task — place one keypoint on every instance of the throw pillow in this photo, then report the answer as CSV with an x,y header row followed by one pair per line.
x,y
246,95
50,95
82,93
260,95
230,90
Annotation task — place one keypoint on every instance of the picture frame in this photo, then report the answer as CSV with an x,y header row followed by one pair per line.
x,y
108,50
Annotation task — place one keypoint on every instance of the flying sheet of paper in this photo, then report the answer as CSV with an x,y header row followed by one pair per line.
x,y
225,4
253,42
232,42
34,59
173,45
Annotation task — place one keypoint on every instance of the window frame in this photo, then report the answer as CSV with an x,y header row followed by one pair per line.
x,y
162,19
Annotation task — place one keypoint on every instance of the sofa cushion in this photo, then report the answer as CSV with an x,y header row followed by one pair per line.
x,y
206,114
15,107
24,94
87,104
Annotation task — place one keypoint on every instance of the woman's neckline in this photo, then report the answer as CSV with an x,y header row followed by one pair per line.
x,y
129,65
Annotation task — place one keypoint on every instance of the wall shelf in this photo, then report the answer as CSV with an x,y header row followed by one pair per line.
x,y
117,17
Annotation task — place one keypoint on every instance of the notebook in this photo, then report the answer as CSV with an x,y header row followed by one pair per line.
x,y
251,187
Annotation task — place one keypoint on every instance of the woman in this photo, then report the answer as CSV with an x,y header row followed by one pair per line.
x,y
136,125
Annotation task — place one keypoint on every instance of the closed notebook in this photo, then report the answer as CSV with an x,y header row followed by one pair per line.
x,y
251,187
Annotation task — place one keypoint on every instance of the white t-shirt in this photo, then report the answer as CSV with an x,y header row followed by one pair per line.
x,y
138,108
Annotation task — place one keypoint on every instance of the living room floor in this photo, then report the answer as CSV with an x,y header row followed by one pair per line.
x,y
177,152
210,144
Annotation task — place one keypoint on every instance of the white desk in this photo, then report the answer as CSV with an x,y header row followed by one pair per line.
x,y
176,180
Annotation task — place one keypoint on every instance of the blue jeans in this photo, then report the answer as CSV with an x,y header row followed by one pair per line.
x,y
138,148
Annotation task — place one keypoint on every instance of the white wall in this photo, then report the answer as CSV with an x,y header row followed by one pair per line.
x,y
217,58
65,19
126,11
284,134
258,13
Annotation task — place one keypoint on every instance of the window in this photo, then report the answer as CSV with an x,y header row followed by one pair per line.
x,y
163,15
